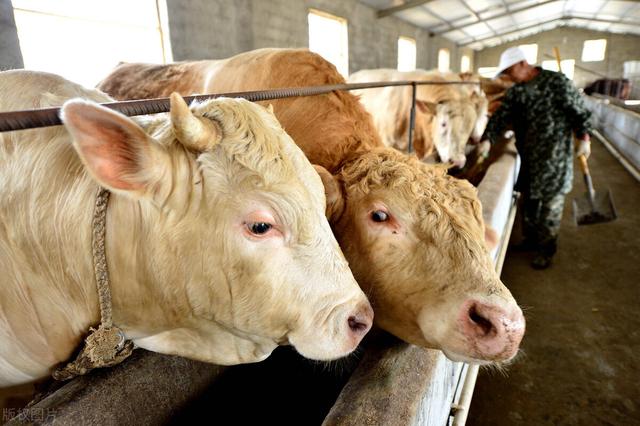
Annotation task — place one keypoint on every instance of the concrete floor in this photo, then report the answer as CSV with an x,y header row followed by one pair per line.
x,y
580,360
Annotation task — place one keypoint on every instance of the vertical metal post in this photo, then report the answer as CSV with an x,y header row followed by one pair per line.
x,y
412,116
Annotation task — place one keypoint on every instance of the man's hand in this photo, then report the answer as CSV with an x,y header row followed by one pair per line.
x,y
483,148
583,147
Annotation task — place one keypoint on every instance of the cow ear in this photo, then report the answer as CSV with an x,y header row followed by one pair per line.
x,y
114,149
333,193
426,107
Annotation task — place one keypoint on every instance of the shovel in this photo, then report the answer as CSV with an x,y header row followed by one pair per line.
x,y
592,208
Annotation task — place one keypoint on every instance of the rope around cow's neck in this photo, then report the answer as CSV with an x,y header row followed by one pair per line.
x,y
105,346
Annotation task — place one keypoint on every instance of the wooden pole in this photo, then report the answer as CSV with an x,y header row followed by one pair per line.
x,y
556,52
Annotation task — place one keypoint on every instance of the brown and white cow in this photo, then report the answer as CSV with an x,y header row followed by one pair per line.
x,y
217,244
413,236
446,115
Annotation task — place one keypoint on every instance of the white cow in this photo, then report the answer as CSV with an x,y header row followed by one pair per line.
x,y
446,115
217,244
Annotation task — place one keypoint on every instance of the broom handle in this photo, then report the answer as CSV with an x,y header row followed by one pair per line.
x,y
587,180
583,164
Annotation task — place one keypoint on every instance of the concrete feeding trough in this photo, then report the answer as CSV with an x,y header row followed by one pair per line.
x,y
619,130
388,382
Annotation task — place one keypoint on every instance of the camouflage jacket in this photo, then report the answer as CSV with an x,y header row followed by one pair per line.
x,y
544,113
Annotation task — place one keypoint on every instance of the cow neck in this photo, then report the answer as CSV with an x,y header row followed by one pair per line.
x,y
105,346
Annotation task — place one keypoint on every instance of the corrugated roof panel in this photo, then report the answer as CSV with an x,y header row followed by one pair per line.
x,y
457,36
492,11
418,17
588,7
447,9
625,14
540,13
478,5
615,8
634,13
478,30
466,21
504,23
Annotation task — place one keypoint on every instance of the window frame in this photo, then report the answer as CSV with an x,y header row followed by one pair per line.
x,y
585,50
410,42
442,51
343,65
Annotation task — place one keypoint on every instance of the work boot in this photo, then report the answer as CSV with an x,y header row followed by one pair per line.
x,y
541,261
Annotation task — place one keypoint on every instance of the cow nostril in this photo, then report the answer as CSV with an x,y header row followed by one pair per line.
x,y
357,325
484,324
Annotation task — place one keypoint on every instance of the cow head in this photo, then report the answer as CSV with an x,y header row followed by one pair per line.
x,y
242,257
461,116
445,126
432,127
414,238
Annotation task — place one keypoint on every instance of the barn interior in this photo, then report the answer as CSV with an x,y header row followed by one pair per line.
x,y
578,362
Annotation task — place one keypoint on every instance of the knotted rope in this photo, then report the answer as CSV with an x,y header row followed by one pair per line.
x,y
105,346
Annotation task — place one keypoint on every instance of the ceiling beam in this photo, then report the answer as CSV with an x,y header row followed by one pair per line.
x,y
537,24
562,18
626,12
483,11
473,12
605,21
500,15
408,5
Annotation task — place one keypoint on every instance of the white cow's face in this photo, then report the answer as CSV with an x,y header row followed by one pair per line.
x,y
241,224
414,238
460,119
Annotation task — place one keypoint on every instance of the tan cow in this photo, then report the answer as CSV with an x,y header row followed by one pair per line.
x,y
217,243
413,236
446,115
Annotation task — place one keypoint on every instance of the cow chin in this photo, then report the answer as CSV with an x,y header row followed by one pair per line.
x,y
455,357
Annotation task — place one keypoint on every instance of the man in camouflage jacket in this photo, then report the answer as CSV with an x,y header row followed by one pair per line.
x,y
545,111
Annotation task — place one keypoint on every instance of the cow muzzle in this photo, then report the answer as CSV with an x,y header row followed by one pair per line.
x,y
492,332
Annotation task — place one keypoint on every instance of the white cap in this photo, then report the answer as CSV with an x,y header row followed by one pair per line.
x,y
510,57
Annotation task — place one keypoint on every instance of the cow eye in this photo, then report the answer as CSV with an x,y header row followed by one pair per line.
x,y
259,228
379,216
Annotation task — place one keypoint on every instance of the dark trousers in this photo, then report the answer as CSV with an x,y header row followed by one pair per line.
x,y
542,222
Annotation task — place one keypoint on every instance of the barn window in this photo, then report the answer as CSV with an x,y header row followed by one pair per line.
x,y
443,60
568,66
465,63
82,40
328,36
406,54
530,52
593,50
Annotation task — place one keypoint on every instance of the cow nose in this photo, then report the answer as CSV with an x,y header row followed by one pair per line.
x,y
360,321
494,331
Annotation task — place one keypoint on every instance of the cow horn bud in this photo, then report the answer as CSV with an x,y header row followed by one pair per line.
x,y
195,133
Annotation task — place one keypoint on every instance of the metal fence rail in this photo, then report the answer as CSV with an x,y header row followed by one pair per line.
x,y
44,117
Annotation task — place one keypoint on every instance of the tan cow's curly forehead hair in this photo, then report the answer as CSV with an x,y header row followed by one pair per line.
x,y
440,201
